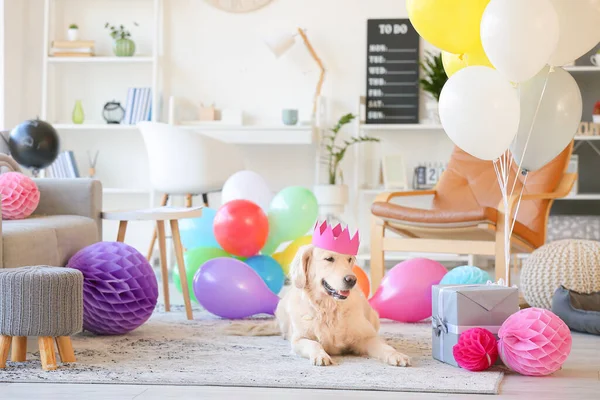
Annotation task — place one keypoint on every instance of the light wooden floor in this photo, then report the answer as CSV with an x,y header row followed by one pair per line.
x,y
579,379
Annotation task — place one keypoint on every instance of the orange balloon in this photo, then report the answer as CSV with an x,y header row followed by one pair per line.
x,y
363,280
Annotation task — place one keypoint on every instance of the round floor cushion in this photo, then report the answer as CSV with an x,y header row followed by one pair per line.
x,y
41,301
574,264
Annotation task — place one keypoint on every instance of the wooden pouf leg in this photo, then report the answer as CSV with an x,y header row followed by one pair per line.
x,y
181,266
65,349
19,349
47,355
4,349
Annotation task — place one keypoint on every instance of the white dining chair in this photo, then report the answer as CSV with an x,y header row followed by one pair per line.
x,y
186,163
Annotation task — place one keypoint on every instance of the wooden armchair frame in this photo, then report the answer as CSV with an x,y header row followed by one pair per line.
x,y
380,243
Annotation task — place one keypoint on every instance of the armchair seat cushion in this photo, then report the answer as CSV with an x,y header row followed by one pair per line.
x,y
403,218
397,212
46,240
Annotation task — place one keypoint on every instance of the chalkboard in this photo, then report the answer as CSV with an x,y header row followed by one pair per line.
x,y
392,72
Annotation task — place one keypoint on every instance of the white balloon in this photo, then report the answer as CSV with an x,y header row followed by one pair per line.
x,y
247,185
579,24
519,36
556,122
479,110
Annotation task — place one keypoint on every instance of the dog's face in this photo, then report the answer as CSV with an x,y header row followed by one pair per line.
x,y
323,272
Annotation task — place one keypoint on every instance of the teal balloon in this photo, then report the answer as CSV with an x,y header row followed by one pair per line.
x,y
292,213
198,232
465,275
269,270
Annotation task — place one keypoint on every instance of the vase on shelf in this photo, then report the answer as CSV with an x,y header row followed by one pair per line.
x,y
73,34
124,47
432,110
78,116
332,200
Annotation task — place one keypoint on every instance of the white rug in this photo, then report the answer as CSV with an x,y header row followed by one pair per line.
x,y
169,350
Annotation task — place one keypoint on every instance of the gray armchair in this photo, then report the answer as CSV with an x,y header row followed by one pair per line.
x,y
66,220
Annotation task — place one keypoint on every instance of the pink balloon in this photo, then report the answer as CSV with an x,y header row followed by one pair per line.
x,y
405,292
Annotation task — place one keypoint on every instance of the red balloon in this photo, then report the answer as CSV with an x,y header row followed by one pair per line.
x,y
241,228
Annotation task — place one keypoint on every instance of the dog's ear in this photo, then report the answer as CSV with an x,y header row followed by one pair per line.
x,y
299,267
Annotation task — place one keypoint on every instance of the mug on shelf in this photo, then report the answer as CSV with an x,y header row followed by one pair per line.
x,y
289,116
595,59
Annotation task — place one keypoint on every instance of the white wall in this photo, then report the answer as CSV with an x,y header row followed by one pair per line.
x,y
211,56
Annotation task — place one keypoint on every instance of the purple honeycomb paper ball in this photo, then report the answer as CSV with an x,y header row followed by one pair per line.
x,y
119,287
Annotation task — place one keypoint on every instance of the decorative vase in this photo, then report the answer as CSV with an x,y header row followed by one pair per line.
x,y
78,115
432,109
332,200
73,34
124,47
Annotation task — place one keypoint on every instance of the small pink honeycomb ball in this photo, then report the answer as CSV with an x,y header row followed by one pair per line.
x,y
20,195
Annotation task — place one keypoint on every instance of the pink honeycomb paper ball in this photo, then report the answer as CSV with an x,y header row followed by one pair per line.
x,y
20,195
534,342
476,350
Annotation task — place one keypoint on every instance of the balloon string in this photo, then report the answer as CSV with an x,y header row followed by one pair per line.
x,y
518,204
535,115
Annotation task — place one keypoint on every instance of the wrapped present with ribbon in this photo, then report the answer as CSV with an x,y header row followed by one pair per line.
x,y
457,308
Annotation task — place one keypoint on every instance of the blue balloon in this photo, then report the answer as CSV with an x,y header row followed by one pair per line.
x,y
198,232
465,275
269,270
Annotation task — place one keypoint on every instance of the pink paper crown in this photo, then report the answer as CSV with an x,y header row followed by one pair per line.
x,y
335,239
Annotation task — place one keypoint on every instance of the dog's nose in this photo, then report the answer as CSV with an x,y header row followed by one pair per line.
x,y
350,280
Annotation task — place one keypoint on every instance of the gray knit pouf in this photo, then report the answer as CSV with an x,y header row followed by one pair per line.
x,y
574,264
41,301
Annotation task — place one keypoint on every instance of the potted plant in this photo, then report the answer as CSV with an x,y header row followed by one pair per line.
x,y
123,46
73,32
333,196
434,79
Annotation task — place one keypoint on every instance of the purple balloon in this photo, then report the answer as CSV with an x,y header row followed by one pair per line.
x,y
231,289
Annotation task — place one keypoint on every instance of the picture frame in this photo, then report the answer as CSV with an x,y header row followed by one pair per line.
x,y
394,172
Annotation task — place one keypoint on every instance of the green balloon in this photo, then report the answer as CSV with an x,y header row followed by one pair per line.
x,y
193,261
292,213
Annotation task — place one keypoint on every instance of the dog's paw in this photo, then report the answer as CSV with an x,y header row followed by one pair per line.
x,y
321,359
398,359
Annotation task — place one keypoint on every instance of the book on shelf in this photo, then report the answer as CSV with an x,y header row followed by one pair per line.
x,y
73,44
72,54
138,106
64,166
78,48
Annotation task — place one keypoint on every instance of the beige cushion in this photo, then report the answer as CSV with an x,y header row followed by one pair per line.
x,y
46,240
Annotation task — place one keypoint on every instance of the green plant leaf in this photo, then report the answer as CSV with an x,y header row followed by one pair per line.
x,y
434,75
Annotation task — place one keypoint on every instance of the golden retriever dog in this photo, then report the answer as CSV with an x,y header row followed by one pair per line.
x,y
325,314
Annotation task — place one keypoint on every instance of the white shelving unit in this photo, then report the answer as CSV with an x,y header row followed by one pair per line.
x,y
94,127
100,60
582,196
581,68
47,60
400,127
256,134
150,59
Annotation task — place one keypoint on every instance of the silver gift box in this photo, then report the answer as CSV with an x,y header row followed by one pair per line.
x,y
457,308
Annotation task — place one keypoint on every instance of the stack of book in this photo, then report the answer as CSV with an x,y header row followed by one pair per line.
x,y
64,166
139,105
75,48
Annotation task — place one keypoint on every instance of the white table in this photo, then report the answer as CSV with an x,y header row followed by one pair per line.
x,y
160,215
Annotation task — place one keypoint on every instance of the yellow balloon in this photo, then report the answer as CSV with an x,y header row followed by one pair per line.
x,y
450,25
286,256
455,62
